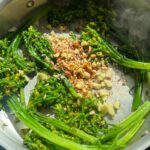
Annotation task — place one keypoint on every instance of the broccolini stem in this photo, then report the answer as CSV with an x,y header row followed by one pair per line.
x,y
139,114
70,88
129,122
138,91
148,76
71,130
128,136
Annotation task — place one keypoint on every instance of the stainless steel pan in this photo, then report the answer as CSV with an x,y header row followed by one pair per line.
x,y
13,13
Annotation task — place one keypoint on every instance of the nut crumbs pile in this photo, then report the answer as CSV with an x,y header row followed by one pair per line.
x,y
89,74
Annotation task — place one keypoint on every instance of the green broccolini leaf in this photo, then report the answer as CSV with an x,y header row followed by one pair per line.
x,y
22,62
4,45
48,92
15,69
38,48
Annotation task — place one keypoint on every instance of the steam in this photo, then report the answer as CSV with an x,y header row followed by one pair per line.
x,y
137,23
134,16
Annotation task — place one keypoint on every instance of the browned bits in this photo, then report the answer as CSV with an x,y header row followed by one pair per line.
x,y
68,74
89,75
58,60
76,45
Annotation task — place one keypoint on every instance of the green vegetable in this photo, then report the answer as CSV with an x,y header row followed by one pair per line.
x,y
19,60
70,87
112,138
15,70
99,44
129,48
127,124
60,96
129,135
23,115
138,90
38,48
88,11
60,125
148,76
